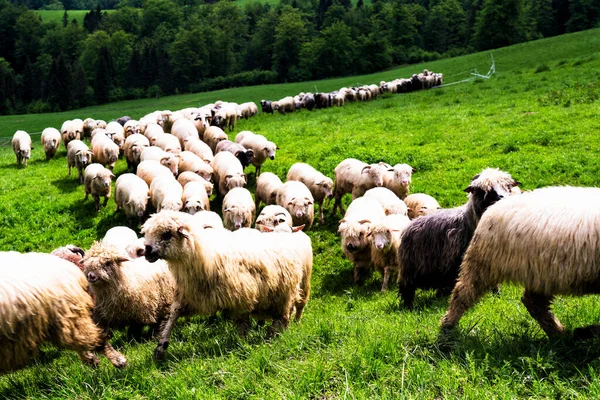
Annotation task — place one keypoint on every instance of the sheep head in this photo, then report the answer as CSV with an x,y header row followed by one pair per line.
x,y
354,234
489,187
166,234
102,264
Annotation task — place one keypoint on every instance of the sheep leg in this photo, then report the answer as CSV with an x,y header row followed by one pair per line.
x,y
89,358
96,201
105,201
586,332
165,334
242,323
408,296
116,358
464,296
387,270
321,213
538,306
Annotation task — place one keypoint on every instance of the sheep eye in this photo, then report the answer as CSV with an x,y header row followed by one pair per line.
x,y
166,236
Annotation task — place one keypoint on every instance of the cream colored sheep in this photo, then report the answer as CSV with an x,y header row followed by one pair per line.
x,y
285,105
420,204
261,147
116,133
389,201
169,160
242,135
354,228
228,172
105,151
148,170
133,148
213,135
125,240
195,198
295,197
153,131
183,129
320,186
238,209
168,143
248,109
267,185
185,177
132,127
97,182
71,130
208,220
79,156
248,275
201,149
166,194
356,177
131,195
44,298
191,162
385,238
398,179
272,216
21,144
51,139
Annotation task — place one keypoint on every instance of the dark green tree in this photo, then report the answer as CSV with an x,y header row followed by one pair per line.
x,y
79,85
59,85
446,27
290,34
134,77
585,14
103,77
500,23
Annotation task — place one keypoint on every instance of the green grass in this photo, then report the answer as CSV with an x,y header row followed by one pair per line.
x,y
540,124
57,15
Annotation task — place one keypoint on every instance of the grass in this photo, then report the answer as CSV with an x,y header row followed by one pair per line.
x,y
57,15
353,342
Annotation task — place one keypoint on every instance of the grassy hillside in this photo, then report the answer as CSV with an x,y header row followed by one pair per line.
x,y
536,118
57,15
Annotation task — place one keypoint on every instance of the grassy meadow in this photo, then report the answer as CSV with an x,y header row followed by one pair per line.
x,y
536,118
57,15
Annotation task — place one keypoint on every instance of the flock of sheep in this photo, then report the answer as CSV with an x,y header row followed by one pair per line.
x,y
193,262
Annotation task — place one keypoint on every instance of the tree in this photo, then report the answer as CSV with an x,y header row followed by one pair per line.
x,y
446,27
157,13
103,76
92,20
65,19
190,56
8,87
500,23
133,77
28,32
290,33
79,85
585,14
59,86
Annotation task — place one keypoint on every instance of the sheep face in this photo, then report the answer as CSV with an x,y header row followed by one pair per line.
x,y
402,174
101,269
237,217
171,162
83,157
354,234
235,181
25,153
299,207
381,238
267,223
326,187
101,183
373,173
165,234
246,157
488,187
136,207
192,207
270,149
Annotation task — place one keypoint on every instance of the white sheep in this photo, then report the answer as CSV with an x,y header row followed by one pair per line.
x,y
201,149
356,177
208,220
124,240
248,109
168,143
272,216
398,179
183,129
295,197
132,127
191,162
388,200
116,133
105,151
228,172
261,147
213,135
148,170
51,139
21,144
169,160
238,209
166,194
131,195
79,156
284,105
185,177
152,131
267,185
420,204
97,182
320,186
133,148
195,198
385,236
71,130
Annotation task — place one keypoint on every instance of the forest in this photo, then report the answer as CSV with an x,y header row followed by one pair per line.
x,y
163,47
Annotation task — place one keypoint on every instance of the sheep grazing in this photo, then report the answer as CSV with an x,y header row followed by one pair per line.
x,y
116,133
132,127
201,149
169,160
539,240
185,177
96,181
50,141
266,106
238,209
148,170
320,186
420,204
433,246
105,151
79,156
385,240
21,144
131,195
213,135
183,129
284,105
225,116
389,201
195,198
398,179
191,162
125,240
356,177
70,253
267,186
208,220
261,147
246,156
271,217
71,130
127,293
133,148
168,143
248,109
295,197
239,273
153,131
228,172
354,229
166,194
44,298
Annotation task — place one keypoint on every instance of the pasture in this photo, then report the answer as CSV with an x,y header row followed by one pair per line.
x,y
536,118
57,15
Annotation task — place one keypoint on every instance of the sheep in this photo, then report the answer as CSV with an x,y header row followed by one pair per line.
x,y
183,129
433,246
213,135
96,181
70,253
398,179
238,209
537,239
116,133
225,116
133,148
195,198
209,220
51,139
125,240
389,201
239,273
201,149
169,160
356,177
89,124
79,156
320,186
127,293
295,197
354,229
168,143
228,172
246,156
168,118
261,147
166,193
148,170
266,106
272,216
152,131
123,120
420,204
131,195
248,109
385,240
188,176
267,186
191,162
322,100
132,127
21,144
308,101
105,151
71,130
44,298
338,99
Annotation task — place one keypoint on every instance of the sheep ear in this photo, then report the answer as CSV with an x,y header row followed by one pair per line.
x,y
475,177
364,221
182,230
245,178
517,183
297,228
120,260
237,153
276,147
414,170
228,176
365,168
469,189
227,209
112,176
410,209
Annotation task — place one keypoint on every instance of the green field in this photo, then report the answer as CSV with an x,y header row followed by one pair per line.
x,y
57,15
536,118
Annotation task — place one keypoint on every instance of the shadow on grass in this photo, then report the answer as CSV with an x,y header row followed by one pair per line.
x,y
68,184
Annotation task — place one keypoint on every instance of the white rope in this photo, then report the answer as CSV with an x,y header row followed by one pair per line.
x,y
474,75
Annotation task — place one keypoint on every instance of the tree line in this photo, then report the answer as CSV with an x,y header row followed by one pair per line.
x,y
164,47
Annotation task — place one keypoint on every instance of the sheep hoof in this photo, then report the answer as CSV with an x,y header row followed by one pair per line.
x,y
120,362
586,332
